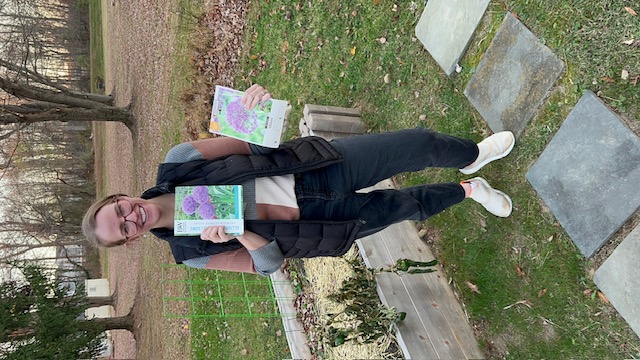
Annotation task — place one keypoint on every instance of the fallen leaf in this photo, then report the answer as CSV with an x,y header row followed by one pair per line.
x,y
387,79
542,292
607,79
473,287
376,2
520,271
483,223
629,42
624,75
285,46
253,57
603,297
631,11
352,51
587,293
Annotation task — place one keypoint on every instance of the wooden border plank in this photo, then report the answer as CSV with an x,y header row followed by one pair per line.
x,y
296,337
436,326
330,110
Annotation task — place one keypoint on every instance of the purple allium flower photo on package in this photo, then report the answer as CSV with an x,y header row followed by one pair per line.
x,y
207,211
240,119
201,194
189,205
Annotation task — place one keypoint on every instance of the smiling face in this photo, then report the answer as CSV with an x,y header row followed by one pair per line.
x,y
139,217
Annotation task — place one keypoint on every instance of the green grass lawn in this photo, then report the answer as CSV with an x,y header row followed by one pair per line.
x,y
97,46
96,63
247,323
340,53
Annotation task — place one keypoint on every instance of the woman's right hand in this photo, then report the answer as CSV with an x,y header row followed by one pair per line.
x,y
216,234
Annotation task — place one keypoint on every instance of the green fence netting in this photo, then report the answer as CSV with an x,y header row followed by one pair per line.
x,y
195,293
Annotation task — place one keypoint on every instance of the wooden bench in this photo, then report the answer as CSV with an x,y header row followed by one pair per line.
x,y
436,327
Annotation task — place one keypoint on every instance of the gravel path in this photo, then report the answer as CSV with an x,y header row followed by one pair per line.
x,y
138,64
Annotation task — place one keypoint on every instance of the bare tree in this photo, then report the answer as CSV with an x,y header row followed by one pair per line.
x,y
37,42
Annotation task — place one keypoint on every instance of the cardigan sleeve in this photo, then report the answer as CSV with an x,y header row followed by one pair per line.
x,y
264,261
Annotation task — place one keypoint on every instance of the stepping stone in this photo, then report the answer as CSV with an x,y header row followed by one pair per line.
x,y
513,78
619,279
588,174
446,26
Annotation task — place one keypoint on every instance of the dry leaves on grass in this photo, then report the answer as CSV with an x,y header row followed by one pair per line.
x,y
631,11
589,293
603,297
632,42
216,45
473,287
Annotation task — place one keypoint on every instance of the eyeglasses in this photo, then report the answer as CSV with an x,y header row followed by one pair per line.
x,y
123,209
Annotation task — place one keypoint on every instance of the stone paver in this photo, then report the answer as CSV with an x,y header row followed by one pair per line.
x,y
588,174
619,279
446,26
513,78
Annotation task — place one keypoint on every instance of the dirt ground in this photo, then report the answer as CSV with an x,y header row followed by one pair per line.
x,y
138,64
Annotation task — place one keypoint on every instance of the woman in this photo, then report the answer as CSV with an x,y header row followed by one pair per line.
x,y
301,198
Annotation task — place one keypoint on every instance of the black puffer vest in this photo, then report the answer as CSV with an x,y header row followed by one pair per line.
x,y
296,239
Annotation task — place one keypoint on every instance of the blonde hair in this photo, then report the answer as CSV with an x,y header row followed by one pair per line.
x,y
89,222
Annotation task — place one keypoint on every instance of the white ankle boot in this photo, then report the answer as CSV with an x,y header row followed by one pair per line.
x,y
492,148
495,201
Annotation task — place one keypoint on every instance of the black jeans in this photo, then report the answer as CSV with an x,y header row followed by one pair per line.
x,y
330,193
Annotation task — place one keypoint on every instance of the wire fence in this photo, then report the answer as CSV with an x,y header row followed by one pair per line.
x,y
192,293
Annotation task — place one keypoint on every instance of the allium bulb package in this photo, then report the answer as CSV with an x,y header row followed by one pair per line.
x,y
261,125
198,207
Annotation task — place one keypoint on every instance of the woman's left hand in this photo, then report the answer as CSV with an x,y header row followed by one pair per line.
x,y
216,234
255,95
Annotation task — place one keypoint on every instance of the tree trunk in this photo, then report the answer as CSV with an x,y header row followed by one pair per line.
x,y
125,322
105,99
102,300
112,323
106,113
58,97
